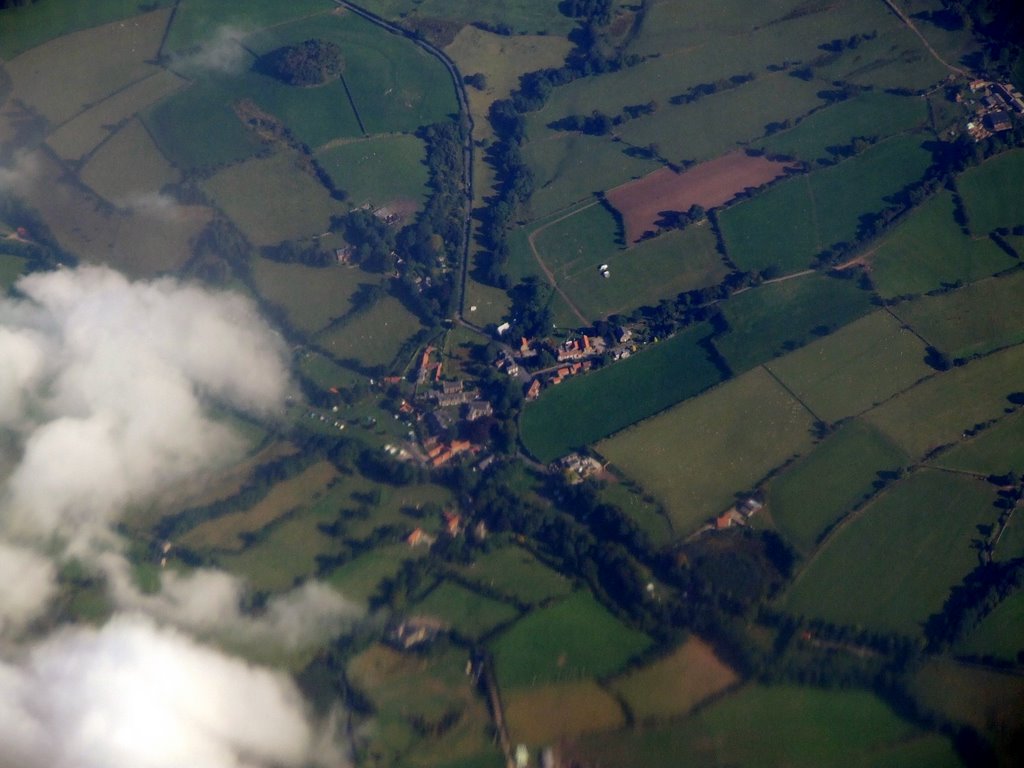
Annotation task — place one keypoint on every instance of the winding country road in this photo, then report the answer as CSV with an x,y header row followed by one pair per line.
x,y
467,147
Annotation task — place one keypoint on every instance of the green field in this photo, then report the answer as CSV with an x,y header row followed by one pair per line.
x,y
228,531
927,250
676,683
378,170
520,16
588,408
571,167
770,320
939,410
996,450
63,77
468,613
893,565
648,517
557,644
197,21
357,580
820,489
739,116
88,130
273,199
11,268
987,195
410,690
1001,633
513,571
871,114
777,727
372,337
311,296
203,109
25,27
785,227
575,247
860,365
696,456
396,86
128,169
973,320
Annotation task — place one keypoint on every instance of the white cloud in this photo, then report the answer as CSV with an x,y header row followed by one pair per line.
x,y
117,373
21,173
208,602
221,52
134,695
27,582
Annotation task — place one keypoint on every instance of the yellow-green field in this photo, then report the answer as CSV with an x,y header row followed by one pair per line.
x,y
675,684
697,455
544,715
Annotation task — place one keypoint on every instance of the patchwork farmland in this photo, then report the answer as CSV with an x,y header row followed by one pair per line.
x,y
654,385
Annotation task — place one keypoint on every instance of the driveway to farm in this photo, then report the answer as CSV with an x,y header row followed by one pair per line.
x,y
907,20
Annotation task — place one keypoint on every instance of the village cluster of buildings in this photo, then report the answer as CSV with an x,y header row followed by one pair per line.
x,y
997,103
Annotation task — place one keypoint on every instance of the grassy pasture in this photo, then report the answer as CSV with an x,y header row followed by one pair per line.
x,y
939,410
273,199
285,556
694,457
556,644
779,726
991,701
409,687
513,571
501,60
769,320
11,268
869,114
543,715
90,128
996,450
571,167
973,320
372,337
226,532
61,78
858,366
893,565
588,408
197,20
155,240
75,217
26,27
574,247
202,109
646,514
359,579
520,16
378,170
1001,633
985,190
467,612
128,168
786,226
822,487
928,250
739,116
675,684
395,84
312,297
